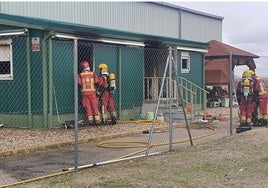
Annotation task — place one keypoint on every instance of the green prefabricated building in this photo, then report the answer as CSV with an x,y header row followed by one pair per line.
x,y
40,93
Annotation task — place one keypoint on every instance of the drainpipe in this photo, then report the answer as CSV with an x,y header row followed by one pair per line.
x,y
119,82
28,59
175,62
50,81
204,84
45,97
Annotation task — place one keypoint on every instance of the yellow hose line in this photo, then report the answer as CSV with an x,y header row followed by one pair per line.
x,y
101,144
142,121
35,179
130,154
123,144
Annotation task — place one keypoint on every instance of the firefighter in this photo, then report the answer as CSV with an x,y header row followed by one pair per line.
x,y
88,81
248,96
106,92
262,108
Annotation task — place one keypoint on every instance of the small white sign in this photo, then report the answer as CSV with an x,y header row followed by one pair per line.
x,y
35,40
35,44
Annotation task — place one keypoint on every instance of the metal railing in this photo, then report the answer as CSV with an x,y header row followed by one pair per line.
x,y
193,95
152,87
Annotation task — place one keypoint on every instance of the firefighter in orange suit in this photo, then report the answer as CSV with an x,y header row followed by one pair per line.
x,y
247,92
107,82
88,81
262,108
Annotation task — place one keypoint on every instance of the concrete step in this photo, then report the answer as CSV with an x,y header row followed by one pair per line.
x,y
176,113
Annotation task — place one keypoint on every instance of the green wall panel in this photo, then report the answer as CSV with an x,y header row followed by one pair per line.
x,y
37,75
109,55
196,69
132,77
127,62
196,74
63,79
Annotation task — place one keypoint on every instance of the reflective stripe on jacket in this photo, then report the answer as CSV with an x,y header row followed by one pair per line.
x,y
87,81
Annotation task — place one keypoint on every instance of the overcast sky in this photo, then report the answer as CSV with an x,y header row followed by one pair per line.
x,y
244,26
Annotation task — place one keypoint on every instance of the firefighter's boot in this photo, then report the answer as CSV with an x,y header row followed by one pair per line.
x,y
243,127
265,123
113,120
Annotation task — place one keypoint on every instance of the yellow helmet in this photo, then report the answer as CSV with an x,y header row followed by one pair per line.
x,y
103,68
246,83
248,73
112,76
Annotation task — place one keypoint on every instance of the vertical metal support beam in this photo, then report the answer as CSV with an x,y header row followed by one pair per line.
x,y
45,79
29,89
119,83
231,92
50,81
75,51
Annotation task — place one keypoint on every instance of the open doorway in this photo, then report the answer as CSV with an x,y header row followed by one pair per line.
x,y
85,53
154,65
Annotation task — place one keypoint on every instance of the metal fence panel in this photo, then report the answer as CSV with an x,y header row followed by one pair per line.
x,y
42,92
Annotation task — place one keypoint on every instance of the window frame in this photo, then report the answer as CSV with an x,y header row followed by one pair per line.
x,y
7,43
185,56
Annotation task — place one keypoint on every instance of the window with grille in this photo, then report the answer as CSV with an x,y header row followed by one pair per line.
x,y
6,72
185,62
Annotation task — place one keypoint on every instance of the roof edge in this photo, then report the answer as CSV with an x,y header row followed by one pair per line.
x,y
188,10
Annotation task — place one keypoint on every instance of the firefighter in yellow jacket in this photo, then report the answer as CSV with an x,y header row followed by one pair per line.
x,y
106,92
247,92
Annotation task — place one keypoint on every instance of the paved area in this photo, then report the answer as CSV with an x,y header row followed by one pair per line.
x,y
26,166
123,140
18,140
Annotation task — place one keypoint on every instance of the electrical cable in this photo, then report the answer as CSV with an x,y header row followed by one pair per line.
x,y
56,104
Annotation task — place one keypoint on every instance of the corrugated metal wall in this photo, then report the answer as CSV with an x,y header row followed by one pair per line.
x,y
200,28
137,17
134,17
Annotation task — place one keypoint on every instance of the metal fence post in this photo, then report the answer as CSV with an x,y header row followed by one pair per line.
x,y
75,105
50,81
231,91
170,99
45,80
29,92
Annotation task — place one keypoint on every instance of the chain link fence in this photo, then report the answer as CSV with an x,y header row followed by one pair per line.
x,y
38,92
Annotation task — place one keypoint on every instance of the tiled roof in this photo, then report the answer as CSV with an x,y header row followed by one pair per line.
x,y
217,48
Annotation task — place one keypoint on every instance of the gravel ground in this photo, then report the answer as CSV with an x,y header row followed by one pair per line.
x,y
18,140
